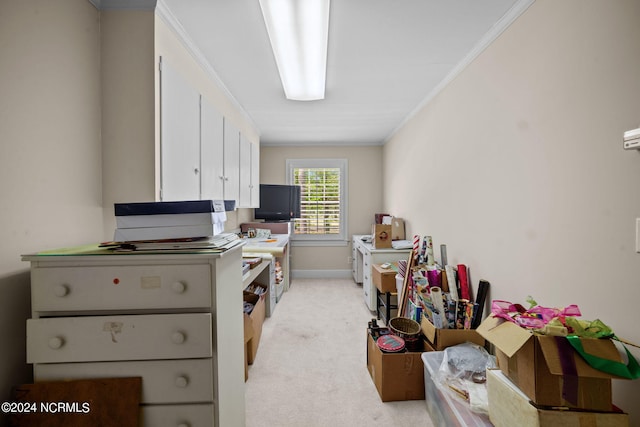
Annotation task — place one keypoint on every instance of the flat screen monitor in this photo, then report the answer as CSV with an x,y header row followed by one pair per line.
x,y
278,202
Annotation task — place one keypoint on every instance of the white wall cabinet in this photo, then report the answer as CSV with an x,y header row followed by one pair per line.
x,y
173,319
203,155
180,141
249,173
211,149
231,162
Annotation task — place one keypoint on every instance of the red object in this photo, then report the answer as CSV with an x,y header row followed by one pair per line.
x,y
464,282
390,343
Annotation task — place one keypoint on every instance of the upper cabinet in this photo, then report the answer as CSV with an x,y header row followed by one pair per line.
x,y
203,155
180,143
231,162
211,149
249,173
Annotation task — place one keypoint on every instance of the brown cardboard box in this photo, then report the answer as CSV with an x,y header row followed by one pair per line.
x,y
381,236
384,278
532,362
257,317
397,228
506,400
397,376
248,334
443,338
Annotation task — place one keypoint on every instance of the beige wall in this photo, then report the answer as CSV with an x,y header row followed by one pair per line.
x,y
365,199
128,134
50,158
521,168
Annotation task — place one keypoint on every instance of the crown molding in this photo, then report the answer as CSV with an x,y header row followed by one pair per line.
x,y
124,4
498,28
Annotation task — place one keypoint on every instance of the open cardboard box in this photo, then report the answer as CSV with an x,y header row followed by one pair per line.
x,y
533,363
443,338
397,376
256,318
506,400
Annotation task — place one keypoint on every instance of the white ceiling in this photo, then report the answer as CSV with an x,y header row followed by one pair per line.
x,y
386,59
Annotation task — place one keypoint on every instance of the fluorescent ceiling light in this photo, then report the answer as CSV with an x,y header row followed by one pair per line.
x,y
299,30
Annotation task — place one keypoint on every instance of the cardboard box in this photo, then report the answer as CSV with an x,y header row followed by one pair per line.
x,y
397,376
381,236
506,400
533,363
384,278
257,317
443,338
397,228
248,334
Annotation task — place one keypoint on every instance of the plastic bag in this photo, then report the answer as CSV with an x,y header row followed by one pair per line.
x,y
462,374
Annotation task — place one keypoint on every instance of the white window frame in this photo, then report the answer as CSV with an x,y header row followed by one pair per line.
x,y
342,164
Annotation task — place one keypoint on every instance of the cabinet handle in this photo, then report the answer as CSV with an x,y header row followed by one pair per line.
x,y
55,343
178,337
184,425
61,290
182,381
196,171
226,178
178,287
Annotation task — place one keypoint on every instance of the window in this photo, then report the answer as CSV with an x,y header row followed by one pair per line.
x,y
323,212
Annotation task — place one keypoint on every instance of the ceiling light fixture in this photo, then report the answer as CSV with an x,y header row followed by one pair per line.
x,y
299,31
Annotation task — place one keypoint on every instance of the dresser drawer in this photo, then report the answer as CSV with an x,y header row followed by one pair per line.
x,y
178,416
106,338
120,287
163,381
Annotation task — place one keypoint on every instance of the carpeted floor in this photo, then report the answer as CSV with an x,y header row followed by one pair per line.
x,y
311,365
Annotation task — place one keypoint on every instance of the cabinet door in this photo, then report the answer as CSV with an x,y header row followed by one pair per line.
x,y
212,152
255,175
245,173
180,137
231,161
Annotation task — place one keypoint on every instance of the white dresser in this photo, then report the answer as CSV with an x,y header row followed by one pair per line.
x,y
173,319
363,256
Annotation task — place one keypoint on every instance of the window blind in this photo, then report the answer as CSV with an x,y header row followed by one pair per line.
x,y
319,200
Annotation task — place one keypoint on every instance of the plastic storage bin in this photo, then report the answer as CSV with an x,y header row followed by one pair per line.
x,y
446,411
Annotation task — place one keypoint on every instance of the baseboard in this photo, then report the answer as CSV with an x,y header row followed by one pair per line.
x,y
321,274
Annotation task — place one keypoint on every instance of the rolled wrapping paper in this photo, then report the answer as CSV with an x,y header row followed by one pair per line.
x,y
443,255
433,276
423,252
444,283
416,247
464,281
451,280
451,314
430,259
402,267
468,314
438,305
461,309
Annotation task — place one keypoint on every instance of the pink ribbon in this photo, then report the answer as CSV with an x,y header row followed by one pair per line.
x,y
536,317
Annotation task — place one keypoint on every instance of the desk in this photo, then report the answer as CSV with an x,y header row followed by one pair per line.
x,y
278,246
364,256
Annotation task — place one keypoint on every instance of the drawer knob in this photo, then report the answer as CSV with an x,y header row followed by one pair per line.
x,y
182,381
61,290
55,343
178,337
178,287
